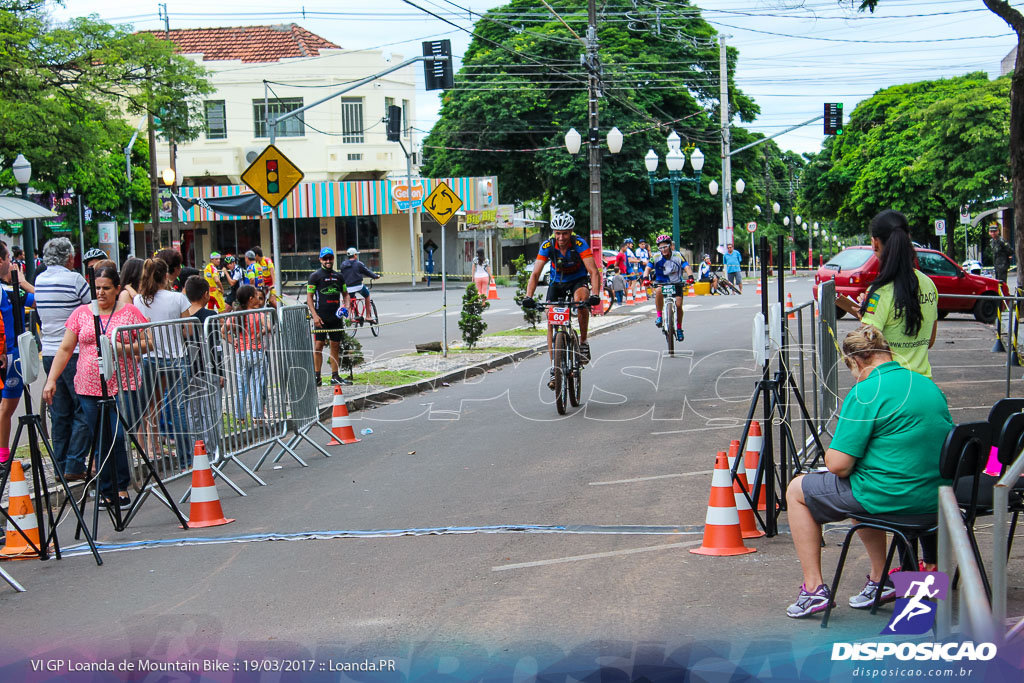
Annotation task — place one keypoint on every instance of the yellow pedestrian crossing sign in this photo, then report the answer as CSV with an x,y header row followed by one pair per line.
x,y
442,203
272,176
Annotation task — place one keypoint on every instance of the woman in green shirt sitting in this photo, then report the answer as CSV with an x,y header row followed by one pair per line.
x,y
883,459
902,302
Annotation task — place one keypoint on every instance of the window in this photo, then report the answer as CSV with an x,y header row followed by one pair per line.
x,y
388,102
234,237
935,264
361,232
352,119
406,126
294,127
355,156
850,259
216,120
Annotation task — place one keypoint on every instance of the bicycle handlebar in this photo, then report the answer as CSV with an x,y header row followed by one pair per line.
x,y
563,304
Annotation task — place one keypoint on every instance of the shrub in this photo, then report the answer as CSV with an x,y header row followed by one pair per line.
x,y
530,315
472,321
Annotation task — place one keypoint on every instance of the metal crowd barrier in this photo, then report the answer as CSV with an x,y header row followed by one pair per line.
x,y
166,395
303,403
1000,554
976,620
828,352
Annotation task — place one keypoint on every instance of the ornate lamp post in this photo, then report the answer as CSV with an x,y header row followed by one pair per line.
x,y
675,160
23,174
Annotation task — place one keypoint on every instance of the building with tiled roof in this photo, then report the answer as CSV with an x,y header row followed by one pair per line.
x,y
247,44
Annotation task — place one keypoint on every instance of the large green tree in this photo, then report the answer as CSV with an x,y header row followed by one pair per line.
x,y
1015,20
924,149
521,88
66,90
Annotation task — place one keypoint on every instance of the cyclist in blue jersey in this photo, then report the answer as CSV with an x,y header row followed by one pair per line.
x,y
668,267
574,276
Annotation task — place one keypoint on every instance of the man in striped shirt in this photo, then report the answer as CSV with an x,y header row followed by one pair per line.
x,y
59,291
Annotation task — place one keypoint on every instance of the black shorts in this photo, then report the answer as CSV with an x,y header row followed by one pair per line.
x,y
562,291
333,335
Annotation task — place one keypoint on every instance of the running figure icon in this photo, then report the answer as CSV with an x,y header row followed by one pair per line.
x,y
914,612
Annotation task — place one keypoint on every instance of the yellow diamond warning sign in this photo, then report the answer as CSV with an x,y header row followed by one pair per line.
x,y
272,176
442,203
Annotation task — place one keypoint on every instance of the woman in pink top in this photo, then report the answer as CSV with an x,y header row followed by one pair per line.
x,y
81,332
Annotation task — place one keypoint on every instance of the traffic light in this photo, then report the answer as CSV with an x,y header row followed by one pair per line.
x,y
273,186
394,129
833,118
438,75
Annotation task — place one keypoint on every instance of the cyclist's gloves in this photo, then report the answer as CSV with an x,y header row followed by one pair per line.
x,y
529,303
594,300
342,313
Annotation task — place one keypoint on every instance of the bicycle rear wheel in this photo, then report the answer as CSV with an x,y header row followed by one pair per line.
x,y
559,354
350,324
611,300
670,327
374,320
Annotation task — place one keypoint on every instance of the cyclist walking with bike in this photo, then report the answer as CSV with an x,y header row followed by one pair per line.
x,y
571,263
668,267
353,270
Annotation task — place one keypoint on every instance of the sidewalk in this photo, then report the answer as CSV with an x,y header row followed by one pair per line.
x,y
490,352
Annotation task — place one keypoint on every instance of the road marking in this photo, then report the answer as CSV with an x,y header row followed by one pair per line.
x,y
721,306
643,309
691,307
652,478
595,556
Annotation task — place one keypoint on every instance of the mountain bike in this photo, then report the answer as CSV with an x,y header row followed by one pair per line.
x,y
358,313
668,294
565,352
724,286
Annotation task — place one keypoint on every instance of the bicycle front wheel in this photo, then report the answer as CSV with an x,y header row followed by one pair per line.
x,y
374,320
670,328
559,357
575,372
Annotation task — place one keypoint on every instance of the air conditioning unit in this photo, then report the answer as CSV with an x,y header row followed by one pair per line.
x,y
249,154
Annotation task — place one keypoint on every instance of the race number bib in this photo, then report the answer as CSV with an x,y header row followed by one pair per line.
x,y
559,315
668,290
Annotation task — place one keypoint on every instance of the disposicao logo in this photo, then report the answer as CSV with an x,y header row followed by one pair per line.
x,y
914,614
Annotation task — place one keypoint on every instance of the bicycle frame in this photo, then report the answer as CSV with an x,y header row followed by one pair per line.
x,y
565,359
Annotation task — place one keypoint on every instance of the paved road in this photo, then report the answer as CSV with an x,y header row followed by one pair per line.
x,y
486,456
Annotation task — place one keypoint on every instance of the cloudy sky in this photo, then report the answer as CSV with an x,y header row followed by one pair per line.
x,y
794,55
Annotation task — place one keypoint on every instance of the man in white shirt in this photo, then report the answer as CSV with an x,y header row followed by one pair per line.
x,y
59,291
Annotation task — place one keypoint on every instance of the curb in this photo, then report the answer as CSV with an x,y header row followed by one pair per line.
x,y
458,374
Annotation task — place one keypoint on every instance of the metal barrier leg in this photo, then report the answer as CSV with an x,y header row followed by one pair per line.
x,y
290,452
242,466
303,435
11,580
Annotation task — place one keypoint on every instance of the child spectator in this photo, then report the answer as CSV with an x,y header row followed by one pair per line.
x,y
618,286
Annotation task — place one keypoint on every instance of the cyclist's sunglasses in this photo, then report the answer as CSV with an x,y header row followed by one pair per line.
x,y
326,258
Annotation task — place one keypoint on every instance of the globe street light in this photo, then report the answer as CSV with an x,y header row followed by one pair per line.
x,y
573,142
23,174
675,160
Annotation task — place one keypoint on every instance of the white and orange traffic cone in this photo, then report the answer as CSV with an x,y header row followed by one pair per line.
x,y
605,301
759,287
341,426
789,306
641,293
691,291
722,534
741,489
24,515
752,456
629,296
492,292
204,506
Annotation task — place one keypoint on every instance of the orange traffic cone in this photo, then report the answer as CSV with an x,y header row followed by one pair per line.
x,y
789,306
629,296
605,301
748,523
24,515
492,292
691,291
341,426
641,294
722,535
759,287
751,457
204,507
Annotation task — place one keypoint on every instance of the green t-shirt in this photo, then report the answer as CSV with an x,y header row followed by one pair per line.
x,y
910,352
894,423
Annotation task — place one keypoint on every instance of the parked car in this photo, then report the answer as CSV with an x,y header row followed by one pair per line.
x,y
855,268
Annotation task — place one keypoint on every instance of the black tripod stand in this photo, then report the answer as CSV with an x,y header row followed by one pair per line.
x,y
103,437
32,423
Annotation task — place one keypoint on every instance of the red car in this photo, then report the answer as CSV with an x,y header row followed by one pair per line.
x,y
855,268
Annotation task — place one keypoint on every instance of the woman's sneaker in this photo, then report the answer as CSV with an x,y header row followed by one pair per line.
x,y
809,603
866,597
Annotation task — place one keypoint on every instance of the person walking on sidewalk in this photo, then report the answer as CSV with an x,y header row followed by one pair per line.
x,y
327,301
482,273
59,291
733,261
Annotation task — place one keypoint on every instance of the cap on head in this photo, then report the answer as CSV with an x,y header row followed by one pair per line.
x,y
214,254
250,254
326,251
628,240
352,251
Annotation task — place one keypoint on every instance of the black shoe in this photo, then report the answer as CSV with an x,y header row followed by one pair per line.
x,y
318,381
584,353
123,502
337,380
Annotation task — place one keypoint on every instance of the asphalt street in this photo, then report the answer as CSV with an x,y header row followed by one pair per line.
x,y
618,486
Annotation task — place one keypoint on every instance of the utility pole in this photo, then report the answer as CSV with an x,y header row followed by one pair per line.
x,y
723,106
154,186
594,146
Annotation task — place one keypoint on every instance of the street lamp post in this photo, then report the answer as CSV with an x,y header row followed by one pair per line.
x,y
675,160
798,220
810,244
573,141
23,174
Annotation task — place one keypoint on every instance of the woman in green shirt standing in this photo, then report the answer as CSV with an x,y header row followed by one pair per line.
x,y
902,302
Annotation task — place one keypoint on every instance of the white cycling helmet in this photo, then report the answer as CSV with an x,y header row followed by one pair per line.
x,y
562,221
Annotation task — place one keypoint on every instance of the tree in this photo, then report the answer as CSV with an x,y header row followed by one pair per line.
x,y
924,149
1015,19
65,90
530,315
472,320
522,89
